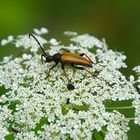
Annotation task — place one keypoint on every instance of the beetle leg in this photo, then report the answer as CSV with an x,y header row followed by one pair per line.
x,y
84,55
50,70
93,74
70,86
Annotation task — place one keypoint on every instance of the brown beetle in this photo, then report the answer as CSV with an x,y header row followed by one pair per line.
x,y
67,58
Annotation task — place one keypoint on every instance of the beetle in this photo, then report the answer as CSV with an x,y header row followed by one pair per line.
x,y
66,58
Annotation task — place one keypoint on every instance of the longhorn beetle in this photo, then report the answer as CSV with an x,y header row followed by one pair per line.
x,y
64,59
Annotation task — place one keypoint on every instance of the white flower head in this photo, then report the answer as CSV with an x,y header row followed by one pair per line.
x,y
136,104
36,104
137,69
70,33
40,31
29,43
87,41
53,42
6,59
9,39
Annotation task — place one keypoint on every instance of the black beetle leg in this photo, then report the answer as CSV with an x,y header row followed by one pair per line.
x,y
70,86
93,74
50,70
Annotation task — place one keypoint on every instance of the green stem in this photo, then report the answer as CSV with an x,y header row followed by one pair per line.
x,y
120,107
104,132
131,118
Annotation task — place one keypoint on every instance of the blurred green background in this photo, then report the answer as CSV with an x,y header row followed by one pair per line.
x,y
116,21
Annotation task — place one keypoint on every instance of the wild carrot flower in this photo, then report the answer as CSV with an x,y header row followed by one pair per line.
x,y
35,107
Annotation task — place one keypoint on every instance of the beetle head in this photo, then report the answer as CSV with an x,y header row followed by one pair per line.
x,y
48,58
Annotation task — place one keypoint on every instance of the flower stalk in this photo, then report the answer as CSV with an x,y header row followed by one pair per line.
x,y
120,107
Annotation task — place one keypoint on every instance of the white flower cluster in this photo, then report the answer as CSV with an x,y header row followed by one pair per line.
x,y
136,103
87,40
33,107
137,70
29,42
9,39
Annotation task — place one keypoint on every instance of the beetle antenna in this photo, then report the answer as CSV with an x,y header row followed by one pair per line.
x,y
30,34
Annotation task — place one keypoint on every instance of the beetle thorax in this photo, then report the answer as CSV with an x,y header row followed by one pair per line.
x,y
56,57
